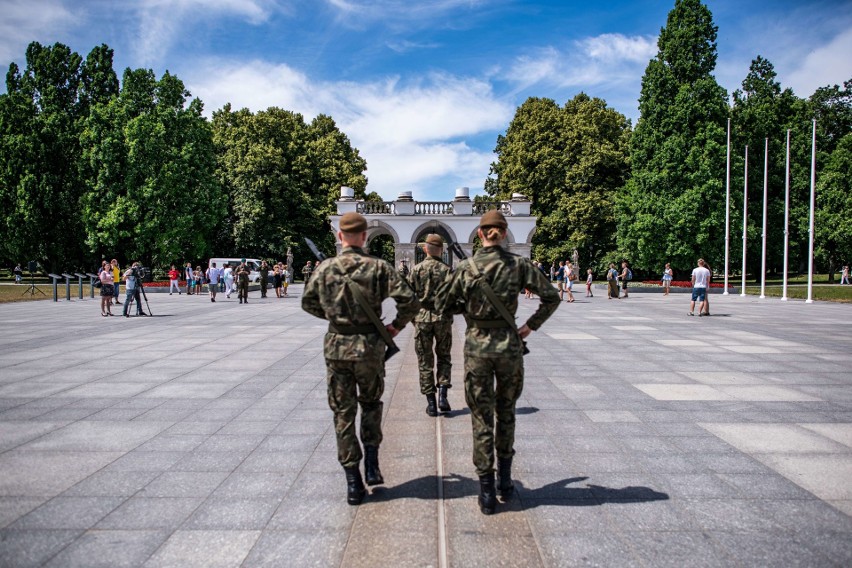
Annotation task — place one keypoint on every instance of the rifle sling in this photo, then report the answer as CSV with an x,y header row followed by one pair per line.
x,y
368,309
489,292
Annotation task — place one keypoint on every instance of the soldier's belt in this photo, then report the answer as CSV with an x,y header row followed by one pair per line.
x,y
488,324
351,329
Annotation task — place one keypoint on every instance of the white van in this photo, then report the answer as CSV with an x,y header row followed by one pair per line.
x,y
252,263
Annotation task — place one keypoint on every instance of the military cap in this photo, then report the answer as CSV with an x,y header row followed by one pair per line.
x,y
434,240
493,218
353,223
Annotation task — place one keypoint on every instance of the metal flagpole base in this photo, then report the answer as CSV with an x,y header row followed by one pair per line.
x,y
809,301
784,299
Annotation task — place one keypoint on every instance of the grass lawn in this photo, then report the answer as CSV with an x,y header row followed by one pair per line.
x,y
826,292
15,293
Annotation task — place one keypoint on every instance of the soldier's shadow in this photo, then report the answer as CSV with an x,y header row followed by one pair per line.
x,y
456,486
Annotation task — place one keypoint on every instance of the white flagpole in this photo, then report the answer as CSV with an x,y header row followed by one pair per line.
x,y
811,223
745,222
786,217
765,194
727,206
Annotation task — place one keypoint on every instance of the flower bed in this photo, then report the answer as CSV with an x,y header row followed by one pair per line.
x,y
685,284
163,284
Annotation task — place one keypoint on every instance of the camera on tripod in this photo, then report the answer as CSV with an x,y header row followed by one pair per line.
x,y
140,273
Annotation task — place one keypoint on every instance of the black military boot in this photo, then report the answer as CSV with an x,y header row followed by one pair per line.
x,y
487,497
371,466
443,403
504,478
354,486
431,405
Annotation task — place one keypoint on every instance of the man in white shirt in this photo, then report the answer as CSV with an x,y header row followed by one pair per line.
x,y
700,280
213,275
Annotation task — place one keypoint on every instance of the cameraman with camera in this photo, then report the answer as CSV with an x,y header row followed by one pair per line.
x,y
133,282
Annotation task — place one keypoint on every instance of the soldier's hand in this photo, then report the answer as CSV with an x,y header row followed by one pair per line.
x,y
392,330
524,331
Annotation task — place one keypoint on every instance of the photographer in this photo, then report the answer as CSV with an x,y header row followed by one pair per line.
x,y
133,282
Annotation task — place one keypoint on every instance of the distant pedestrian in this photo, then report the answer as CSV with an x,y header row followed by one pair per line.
x,y
174,280
844,275
106,278
213,276
706,311
625,276
198,277
560,280
19,273
264,278
589,280
700,280
306,271
188,273
286,278
242,277
228,277
116,279
570,276
668,274
612,281
553,270
276,280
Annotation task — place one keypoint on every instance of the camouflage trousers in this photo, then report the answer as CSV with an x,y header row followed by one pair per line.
x,y
439,334
351,383
242,290
491,389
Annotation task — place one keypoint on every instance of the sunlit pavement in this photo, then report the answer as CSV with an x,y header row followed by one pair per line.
x,y
645,437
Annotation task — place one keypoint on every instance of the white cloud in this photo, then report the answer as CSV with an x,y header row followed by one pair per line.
x,y
606,59
24,21
829,64
412,134
161,21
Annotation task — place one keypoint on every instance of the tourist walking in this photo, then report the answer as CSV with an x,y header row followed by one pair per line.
x,y
19,273
432,330
276,280
668,274
844,275
560,280
213,276
116,279
570,276
354,347
700,280
485,289
286,276
589,279
612,282
189,274
228,276
198,278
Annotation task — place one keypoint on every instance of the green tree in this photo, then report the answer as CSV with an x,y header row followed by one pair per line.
x,y
672,209
282,177
832,222
569,161
151,190
40,121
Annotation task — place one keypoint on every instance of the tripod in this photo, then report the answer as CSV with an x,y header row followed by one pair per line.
x,y
31,289
144,295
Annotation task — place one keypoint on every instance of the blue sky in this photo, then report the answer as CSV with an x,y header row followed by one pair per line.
x,y
423,88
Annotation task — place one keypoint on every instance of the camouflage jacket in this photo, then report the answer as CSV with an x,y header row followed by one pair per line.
x,y
327,296
426,278
508,275
242,274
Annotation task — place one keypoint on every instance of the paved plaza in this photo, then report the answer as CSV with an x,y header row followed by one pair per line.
x,y
202,437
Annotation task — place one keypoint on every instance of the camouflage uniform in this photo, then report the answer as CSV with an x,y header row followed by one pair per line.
x,y
430,327
492,349
306,272
242,283
354,355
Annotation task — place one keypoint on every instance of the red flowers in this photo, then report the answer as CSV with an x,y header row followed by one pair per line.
x,y
685,284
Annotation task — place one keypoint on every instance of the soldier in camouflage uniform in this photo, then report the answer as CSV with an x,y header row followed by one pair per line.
x,y
493,348
354,351
242,274
432,328
307,270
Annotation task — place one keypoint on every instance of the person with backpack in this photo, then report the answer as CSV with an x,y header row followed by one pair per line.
x,y
626,275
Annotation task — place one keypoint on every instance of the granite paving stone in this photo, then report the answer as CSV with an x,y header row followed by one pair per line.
x,y
726,441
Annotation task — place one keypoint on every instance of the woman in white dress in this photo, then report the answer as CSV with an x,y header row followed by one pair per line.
x,y
667,279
